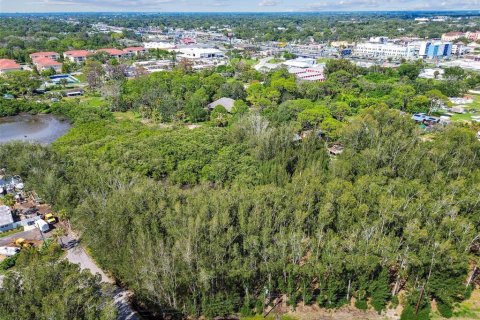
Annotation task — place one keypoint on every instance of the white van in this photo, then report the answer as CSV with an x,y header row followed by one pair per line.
x,y
42,225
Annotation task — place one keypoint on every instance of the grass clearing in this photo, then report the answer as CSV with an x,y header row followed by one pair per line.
x,y
128,115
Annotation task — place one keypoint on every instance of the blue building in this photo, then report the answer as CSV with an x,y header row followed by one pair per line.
x,y
435,50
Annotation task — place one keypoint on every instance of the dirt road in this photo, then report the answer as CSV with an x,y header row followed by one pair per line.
x,y
121,297
33,234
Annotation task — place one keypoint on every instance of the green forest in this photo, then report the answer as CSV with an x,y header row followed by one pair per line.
x,y
44,287
216,220
216,213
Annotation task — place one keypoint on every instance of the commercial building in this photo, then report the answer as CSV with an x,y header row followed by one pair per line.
x,y
308,74
301,63
379,50
460,49
474,36
200,53
159,45
435,50
378,40
7,65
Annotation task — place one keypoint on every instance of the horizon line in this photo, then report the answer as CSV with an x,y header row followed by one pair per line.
x,y
249,12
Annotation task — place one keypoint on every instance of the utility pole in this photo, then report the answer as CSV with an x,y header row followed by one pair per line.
x,y
420,298
41,235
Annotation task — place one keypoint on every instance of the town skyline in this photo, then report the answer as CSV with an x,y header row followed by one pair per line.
x,y
44,6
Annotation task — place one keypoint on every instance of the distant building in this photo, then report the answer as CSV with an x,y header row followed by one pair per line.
x,y
200,53
76,56
308,74
301,63
438,50
159,45
188,41
135,51
378,40
460,49
7,65
452,36
474,36
341,44
384,50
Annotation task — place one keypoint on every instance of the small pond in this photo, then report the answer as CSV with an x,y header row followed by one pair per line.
x,y
40,128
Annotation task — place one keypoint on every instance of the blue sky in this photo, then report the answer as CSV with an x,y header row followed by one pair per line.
x,y
232,5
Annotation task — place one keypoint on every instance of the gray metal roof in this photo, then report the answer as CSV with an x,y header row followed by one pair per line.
x,y
226,102
5,215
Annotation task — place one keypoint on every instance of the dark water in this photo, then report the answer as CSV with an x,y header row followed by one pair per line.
x,y
41,128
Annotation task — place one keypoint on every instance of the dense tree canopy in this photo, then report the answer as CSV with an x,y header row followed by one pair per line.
x,y
43,287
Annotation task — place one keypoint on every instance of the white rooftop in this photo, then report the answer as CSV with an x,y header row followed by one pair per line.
x,y
5,216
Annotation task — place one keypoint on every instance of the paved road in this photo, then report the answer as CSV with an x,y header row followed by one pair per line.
x,y
121,297
263,62
33,234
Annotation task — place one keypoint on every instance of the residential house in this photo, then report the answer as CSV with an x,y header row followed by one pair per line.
x,y
227,103
7,65
135,51
114,53
76,56
49,54
44,63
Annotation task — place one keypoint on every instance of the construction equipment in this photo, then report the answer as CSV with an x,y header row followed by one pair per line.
x,y
22,243
50,218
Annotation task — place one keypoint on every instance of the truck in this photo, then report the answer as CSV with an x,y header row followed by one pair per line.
x,y
42,225
50,218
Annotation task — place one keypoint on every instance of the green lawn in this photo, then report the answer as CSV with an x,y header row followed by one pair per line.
x,y
249,62
128,115
323,60
270,317
10,232
275,60
468,116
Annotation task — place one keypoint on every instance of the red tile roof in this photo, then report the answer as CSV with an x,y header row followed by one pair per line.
x,y
112,52
43,54
77,53
46,62
6,64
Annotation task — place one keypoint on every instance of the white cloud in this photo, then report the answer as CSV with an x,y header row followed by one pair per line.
x,y
268,3
147,4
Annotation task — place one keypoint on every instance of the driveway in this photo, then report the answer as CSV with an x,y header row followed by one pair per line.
x,y
33,234
121,297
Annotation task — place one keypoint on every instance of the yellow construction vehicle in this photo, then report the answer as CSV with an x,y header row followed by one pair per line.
x,y
22,243
50,218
